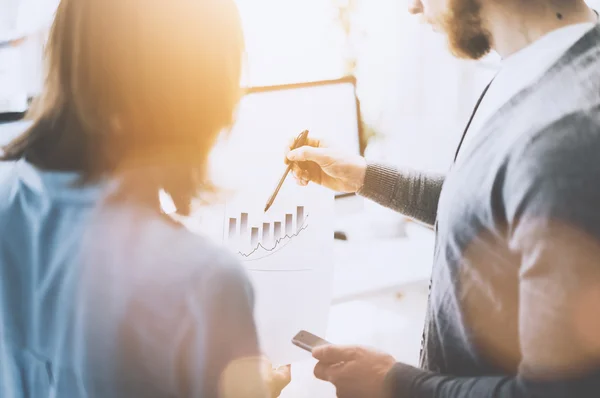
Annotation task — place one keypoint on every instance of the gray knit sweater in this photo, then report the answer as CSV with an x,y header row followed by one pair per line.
x,y
515,291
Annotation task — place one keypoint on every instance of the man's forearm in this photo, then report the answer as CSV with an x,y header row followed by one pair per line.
x,y
405,381
411,193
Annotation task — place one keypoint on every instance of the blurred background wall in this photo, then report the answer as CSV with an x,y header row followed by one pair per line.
x,y
415,96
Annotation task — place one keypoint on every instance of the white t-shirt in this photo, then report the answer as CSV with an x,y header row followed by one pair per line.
x,y
521,69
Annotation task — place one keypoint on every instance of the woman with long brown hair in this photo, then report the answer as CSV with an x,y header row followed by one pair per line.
x,y
101,294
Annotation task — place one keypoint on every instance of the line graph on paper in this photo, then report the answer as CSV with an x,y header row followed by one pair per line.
x,y
268,246
277,244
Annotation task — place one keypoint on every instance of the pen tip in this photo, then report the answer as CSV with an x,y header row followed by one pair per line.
x,y
267,208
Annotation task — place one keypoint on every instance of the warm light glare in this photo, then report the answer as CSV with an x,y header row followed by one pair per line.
x,y
166,203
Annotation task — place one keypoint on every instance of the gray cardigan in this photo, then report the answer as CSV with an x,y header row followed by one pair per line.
x,y
515,290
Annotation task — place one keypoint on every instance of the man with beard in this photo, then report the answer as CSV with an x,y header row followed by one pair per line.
x,y
515,291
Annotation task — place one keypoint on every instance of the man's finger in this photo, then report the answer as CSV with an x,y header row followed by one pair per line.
x,y
335,353
308,154
301,181
297,170
313,142
328,372
301,176
310,142
321,371
305,175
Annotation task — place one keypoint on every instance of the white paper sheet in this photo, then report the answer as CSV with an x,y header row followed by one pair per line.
x,y
289,255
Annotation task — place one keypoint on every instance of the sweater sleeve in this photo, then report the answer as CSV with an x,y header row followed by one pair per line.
x,y
409,192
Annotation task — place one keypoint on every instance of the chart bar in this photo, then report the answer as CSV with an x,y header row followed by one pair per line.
x,y
244,225
232,225
277,230
289,227
266,234
254,237
299,218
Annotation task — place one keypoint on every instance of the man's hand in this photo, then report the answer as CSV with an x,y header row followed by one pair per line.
x,y
354,371
338,171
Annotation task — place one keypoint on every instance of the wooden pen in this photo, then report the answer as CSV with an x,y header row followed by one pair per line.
x,y
298,142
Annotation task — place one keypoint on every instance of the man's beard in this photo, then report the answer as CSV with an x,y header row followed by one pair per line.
x,y
463,26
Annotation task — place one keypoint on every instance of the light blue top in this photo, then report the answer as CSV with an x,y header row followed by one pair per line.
x,y
110,299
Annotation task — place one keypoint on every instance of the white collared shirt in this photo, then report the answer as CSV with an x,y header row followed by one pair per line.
x,y
521,69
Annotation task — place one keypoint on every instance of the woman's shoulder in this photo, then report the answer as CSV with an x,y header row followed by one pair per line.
x,y
155,250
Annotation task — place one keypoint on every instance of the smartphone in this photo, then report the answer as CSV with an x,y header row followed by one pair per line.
x,y
308,341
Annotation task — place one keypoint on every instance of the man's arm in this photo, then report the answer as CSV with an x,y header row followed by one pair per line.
x,y
411,193
552,200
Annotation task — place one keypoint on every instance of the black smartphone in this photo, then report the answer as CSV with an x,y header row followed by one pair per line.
x,y
308,341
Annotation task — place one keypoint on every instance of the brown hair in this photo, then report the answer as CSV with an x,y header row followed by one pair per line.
x,y
132,82
464,26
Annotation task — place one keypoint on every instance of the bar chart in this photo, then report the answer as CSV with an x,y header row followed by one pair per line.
x,y
265,238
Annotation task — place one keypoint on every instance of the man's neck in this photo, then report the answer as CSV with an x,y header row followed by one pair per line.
x,y
514,27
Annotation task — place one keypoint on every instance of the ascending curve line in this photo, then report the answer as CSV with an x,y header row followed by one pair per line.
x,y
276,246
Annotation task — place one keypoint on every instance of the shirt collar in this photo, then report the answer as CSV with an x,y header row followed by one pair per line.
x,y
551,45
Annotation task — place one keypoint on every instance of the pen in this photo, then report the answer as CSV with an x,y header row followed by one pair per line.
x,y
298,142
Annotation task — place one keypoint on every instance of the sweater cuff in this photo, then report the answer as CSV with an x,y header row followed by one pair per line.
x,y
380,183
401,381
